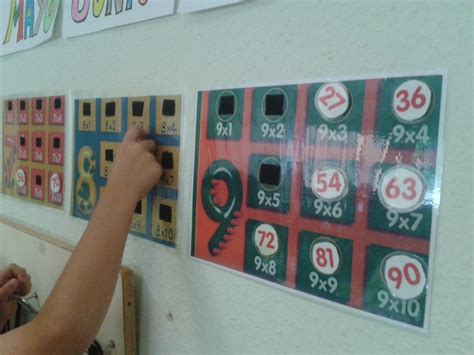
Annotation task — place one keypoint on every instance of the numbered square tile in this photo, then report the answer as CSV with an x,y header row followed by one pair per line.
x,y
168,157
108,152
225,114
273,114
10,111
57,110
24,111
139,219
111,115
402,202
168,115
38,145
39,110
164,220
269,182
56,148
138,112
22,181
266,249
56,187
409,111
395,284
87,115
324,266
329,190
335,111
38,184
23,149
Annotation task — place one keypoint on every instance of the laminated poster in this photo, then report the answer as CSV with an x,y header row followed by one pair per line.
x,y
329,189
99,126
33,149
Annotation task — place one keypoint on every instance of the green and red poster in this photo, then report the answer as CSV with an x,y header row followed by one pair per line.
x,y
329,189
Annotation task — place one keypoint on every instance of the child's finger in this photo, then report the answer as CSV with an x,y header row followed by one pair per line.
x,y
25,285
134,134
12,270
149,145
8,289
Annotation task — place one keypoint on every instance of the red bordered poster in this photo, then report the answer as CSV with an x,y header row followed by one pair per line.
x,y
329,188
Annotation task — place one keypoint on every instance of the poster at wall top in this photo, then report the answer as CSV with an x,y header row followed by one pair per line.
x,y
199,5
25,24
87,16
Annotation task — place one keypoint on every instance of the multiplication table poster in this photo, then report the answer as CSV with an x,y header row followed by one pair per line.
x,y
33,149
99,127
329,188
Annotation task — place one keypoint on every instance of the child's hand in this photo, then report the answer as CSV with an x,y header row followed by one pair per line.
x,y
13,280
135,169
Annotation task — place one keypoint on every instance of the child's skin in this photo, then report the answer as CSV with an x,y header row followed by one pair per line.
x,y
72,315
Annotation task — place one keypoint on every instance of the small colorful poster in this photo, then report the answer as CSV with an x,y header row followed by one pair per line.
x,y
33,149
26,23
329,189
87,16
99,126
200,5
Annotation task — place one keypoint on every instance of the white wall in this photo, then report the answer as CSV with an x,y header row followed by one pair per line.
x,y
45,261
214,311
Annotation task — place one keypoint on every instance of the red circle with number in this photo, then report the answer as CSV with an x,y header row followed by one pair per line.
x,y
332,100
411,101
404,275
266,240
402,188
325,256
20,177
330,183
55,183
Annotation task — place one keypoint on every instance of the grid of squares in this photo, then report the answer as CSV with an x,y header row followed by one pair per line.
x,y
100,125
33,149
337,188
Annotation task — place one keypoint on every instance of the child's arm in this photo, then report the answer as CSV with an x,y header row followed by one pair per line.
x,y
71,317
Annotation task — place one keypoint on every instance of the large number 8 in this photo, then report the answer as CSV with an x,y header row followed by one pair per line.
x,y
86,192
